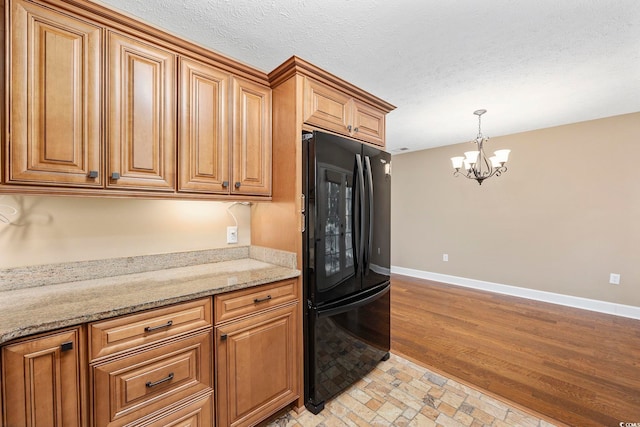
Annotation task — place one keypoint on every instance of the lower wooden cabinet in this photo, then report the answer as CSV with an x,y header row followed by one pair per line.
x,y
156,368
43,381
256,364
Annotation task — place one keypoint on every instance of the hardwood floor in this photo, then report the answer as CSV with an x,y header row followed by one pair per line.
x,y
575,366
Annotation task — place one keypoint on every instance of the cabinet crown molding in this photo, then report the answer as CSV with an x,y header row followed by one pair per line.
x,y
296,65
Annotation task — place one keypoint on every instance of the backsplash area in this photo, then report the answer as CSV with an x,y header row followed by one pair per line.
x,y
48,230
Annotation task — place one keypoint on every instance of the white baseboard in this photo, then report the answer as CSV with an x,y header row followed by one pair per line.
x,y
567,300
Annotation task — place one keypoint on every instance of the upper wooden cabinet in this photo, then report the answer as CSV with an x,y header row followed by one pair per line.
x,y
55,67
334,110
251,138
141,114
224,134
100,103
203,128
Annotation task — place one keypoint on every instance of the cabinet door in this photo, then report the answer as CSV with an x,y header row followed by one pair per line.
x,y
141,115
256,366
368,123
55,66
42,381
251,138
203,128
326,108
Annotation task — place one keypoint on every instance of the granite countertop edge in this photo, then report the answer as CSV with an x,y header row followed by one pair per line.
x,y
41,309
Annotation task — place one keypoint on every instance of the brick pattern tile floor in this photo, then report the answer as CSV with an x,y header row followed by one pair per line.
x,y
401,393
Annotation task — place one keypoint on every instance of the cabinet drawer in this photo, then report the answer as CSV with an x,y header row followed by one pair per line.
x,y
196,414
127,332
133,387
236,304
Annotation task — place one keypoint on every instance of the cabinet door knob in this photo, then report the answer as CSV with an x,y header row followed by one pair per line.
x,y
93,174
355,130
223,337
115,175
238,184
225,184
349,128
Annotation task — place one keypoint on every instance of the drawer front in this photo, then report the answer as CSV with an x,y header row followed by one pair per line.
x,y
127,332
133,387
196,414
231,305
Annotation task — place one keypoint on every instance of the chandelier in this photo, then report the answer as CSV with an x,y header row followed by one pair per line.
x,y
476,164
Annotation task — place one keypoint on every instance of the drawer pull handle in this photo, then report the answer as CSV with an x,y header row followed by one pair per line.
x,y
150,384
259,300
155,328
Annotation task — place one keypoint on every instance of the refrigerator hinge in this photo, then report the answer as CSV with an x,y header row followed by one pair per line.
x,y
309,305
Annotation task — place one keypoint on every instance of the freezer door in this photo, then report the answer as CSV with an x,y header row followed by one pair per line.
x,y
377,217
347,340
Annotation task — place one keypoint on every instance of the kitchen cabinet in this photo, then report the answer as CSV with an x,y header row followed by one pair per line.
x,y
144,383
43,381
141,114
55,64
147,367
334,110
251,145
225,135
203,128
101,104
256,352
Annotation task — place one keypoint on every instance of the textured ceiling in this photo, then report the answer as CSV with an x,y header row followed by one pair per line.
x,y
531,64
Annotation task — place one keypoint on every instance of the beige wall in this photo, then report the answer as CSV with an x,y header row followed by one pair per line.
x,y
61,229
564,216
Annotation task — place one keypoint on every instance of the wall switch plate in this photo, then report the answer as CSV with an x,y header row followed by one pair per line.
x,y
232,234
614,279
445,257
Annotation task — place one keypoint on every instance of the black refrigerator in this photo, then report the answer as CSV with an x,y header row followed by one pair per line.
x,y
346,247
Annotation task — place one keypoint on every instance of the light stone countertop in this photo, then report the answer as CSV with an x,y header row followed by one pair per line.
x,y
45,308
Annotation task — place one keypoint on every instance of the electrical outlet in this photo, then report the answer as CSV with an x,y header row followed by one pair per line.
x,y
614,279
232,234
445,257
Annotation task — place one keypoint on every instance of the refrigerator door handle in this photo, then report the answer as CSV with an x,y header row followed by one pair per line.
x,y
360,172
332,311
367,256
